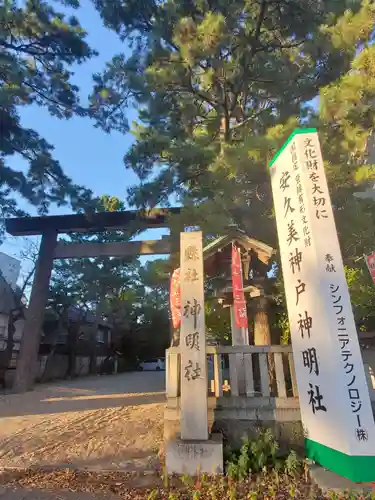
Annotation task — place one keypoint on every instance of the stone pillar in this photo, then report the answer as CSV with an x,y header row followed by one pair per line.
x,y
195,452
194,420
28,355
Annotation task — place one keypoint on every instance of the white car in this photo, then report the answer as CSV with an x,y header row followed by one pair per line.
x,y
152,364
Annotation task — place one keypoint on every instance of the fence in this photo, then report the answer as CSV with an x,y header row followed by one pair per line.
x,y
251,371
247,386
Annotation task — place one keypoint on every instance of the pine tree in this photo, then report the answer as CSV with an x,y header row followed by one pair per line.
x,y
346,129
38,44
214,83
345,121
219,86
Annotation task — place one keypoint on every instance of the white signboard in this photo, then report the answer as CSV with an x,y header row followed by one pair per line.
x,y
334,398
194,424
9,269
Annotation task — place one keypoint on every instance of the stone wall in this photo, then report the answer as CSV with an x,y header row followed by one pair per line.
x,y
57,368
237,411
235,417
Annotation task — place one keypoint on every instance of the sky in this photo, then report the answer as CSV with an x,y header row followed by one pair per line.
x,y
88,155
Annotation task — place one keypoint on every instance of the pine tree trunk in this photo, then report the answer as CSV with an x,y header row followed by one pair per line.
x,y
92,365
10,339
262,335
72,351
93,339
262,332
29,348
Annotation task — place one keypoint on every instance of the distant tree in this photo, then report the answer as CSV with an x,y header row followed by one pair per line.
x,y
218,325
92,283
148,333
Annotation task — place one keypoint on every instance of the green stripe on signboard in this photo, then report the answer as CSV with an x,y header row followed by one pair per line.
x,y
357,468
295,132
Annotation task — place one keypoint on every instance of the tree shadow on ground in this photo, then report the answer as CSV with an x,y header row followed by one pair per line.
x,y
90,393
78,404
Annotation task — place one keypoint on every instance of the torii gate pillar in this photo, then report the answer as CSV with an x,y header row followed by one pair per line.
x,y
28,355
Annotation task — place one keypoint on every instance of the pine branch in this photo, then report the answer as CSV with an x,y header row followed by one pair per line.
x,y
27,280
262,14
53,101
208,100
26,49
247,120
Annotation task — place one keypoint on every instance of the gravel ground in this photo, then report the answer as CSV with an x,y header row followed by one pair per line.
x,y
36,494
34,484
104,423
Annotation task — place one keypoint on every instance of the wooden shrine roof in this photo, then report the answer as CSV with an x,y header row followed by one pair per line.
x,y
223,244
218,258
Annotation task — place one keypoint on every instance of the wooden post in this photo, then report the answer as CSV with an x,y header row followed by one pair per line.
x,y
264,375
233,375
28,355
280,376
249,377
240,336
218,375
293,375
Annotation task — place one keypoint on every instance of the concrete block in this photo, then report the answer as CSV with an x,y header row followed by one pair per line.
x,y
329,481
193,457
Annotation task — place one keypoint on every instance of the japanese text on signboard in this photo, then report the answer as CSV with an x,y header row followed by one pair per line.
x,y
192,310
299,241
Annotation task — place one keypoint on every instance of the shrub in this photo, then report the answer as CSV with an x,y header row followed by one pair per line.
x,y
259,454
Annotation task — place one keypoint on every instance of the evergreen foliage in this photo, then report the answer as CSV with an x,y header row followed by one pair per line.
x,y
38,46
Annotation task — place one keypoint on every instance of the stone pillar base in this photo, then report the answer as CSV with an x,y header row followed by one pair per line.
x,y
195,457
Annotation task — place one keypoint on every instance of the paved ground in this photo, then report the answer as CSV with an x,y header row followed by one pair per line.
x,y
106,422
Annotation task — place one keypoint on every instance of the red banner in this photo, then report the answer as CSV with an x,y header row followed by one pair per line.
x,y
175,298
239,302
370,260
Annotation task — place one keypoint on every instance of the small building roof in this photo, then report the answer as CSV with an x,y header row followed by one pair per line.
x,y
218,256
264,251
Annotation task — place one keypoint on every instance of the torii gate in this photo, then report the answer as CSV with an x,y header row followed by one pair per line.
x,y
49,227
